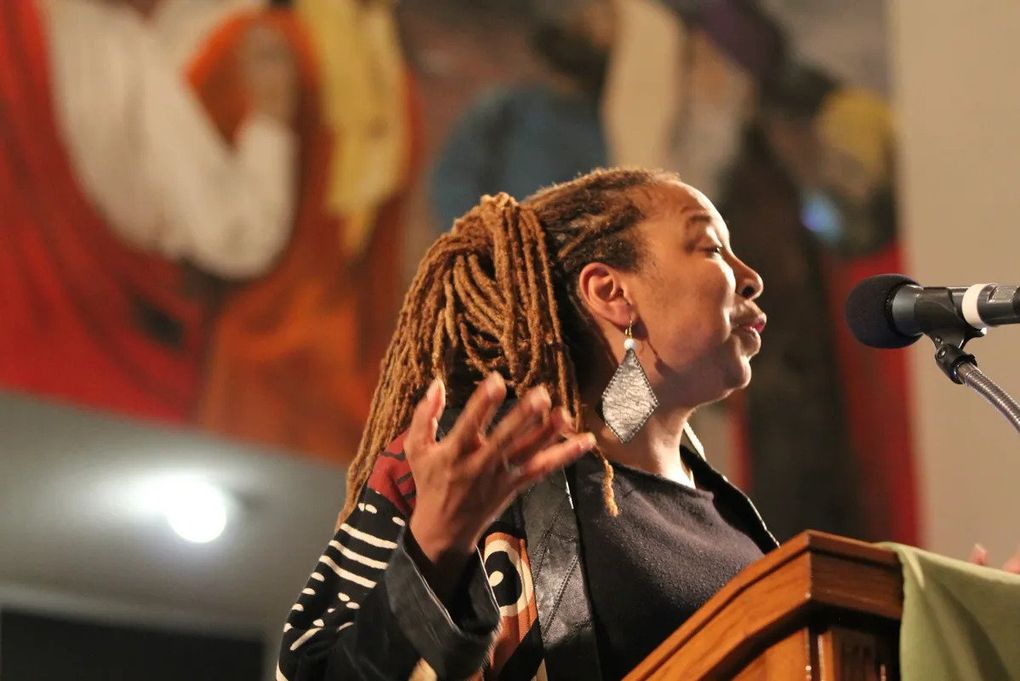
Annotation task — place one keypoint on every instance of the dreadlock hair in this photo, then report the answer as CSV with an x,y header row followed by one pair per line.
x,y
498,292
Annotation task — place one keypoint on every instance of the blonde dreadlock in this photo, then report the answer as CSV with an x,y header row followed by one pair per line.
x,y
489,297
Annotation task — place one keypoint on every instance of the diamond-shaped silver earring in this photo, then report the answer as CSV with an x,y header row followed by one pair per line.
x,y
628,400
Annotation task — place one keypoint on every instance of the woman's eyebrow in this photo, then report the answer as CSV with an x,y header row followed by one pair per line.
x,y
699,218
695,221
704,219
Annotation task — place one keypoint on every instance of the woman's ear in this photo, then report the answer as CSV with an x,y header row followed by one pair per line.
x,y
601,288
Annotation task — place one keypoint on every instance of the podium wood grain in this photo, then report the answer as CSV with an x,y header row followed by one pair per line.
x,y
819,607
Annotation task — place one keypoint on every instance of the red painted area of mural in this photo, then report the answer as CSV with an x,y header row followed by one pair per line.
x,y
878,407
84,317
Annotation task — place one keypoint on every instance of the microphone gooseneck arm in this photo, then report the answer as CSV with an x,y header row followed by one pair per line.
x,y
962,368
996,396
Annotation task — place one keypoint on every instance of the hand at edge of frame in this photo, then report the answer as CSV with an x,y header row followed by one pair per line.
x,y
979,556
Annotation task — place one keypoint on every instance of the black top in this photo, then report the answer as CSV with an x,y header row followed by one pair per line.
x,y
670,549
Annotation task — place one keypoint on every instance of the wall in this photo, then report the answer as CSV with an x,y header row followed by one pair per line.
x,y
954,86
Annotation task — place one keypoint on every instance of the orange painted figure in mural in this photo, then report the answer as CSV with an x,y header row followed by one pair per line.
x,y
294,355
204,259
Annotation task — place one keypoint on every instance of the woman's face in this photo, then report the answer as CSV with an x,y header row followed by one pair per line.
x,y
697,325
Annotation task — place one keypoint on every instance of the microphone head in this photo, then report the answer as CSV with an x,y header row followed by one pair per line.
x,y
868,311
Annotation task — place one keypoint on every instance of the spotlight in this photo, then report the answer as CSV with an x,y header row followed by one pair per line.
x,y
195,509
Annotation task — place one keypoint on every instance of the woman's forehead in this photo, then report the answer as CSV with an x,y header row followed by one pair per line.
x,y
686,205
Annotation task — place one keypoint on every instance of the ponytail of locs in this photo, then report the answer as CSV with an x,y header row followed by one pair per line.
x,y
498,293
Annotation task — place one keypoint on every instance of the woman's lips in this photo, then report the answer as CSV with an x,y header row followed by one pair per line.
x,y
752,328
756,324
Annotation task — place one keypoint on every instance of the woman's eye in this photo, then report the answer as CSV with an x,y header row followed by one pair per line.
x,y
714,248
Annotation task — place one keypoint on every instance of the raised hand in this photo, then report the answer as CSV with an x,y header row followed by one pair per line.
x,y
467,479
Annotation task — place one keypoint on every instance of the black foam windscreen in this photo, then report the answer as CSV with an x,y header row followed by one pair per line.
x,y
867,311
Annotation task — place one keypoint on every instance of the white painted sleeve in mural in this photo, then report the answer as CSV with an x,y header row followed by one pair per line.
x,y
640,104
149,156
233,217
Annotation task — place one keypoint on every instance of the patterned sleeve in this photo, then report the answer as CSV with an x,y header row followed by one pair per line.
x,y
368,613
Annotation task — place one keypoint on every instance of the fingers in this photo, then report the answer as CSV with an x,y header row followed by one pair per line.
x,y
553,458
467,433
978,555
425,420
543,434
527,417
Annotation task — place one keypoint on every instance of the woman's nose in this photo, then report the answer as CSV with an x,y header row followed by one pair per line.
x,y
749,283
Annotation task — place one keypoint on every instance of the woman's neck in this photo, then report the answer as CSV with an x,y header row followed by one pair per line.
x,y
654,449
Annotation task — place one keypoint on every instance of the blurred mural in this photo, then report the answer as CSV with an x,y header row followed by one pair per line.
x,y
202,209
210,207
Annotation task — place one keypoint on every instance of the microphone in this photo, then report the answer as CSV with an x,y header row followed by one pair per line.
x,y
893,311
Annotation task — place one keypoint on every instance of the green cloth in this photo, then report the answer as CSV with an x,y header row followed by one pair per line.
x,y
961,622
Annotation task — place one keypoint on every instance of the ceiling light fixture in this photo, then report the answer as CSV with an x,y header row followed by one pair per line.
x,y
195,509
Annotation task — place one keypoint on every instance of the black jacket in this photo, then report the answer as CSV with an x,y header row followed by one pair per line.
x,y
522,608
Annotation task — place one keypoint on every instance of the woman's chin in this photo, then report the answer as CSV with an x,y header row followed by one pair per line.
x,y
730,383
708,383
741,376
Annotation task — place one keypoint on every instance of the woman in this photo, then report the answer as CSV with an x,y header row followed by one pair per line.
x,y
611,306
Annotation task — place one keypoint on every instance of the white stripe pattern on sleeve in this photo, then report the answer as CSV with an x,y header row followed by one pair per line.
x,y
350,567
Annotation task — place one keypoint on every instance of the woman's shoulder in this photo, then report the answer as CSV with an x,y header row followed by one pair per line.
x,y
391,476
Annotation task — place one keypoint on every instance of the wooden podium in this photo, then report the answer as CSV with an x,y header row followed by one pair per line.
x,y
819,607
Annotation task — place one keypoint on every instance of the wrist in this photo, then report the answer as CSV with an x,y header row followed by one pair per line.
x,y
440,559
440,546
